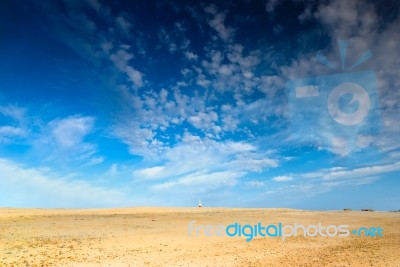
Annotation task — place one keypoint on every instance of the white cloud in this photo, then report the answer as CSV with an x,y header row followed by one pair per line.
x,y
21,186
340,146
271,5
135,76
154,113
14,112
59,141
257,184
140,140
149,173
17,128
123,24
282,178
174,39
191,56
95,161
198,161
106,47
201,182
204,120
113,171
63,141
348,18
121,60
217,22
231,69
69,132
167,40
324,180
341,173
9,133
251,162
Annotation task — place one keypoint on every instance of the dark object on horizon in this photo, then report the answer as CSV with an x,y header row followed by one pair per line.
x,y
367,210
395,211
346,209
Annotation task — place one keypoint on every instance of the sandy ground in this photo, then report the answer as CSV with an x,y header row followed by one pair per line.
x,y
159,237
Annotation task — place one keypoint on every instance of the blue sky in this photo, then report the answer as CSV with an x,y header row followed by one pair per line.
x,y
167,102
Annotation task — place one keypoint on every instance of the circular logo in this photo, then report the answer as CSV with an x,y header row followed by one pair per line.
x,y
358,95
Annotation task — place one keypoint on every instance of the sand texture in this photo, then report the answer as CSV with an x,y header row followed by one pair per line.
x,y
159,237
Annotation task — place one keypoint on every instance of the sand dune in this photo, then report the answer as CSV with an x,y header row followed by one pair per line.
x,y
159,237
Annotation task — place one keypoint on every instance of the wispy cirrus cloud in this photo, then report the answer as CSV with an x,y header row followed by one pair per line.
x,y
194,154
63,141
36,187
199,182
14,126
325,180
69,132
59,140
282,178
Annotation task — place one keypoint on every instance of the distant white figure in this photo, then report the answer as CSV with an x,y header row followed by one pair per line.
x,y
200,203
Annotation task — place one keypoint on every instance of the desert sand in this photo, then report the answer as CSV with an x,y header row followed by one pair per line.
x,y
160,237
